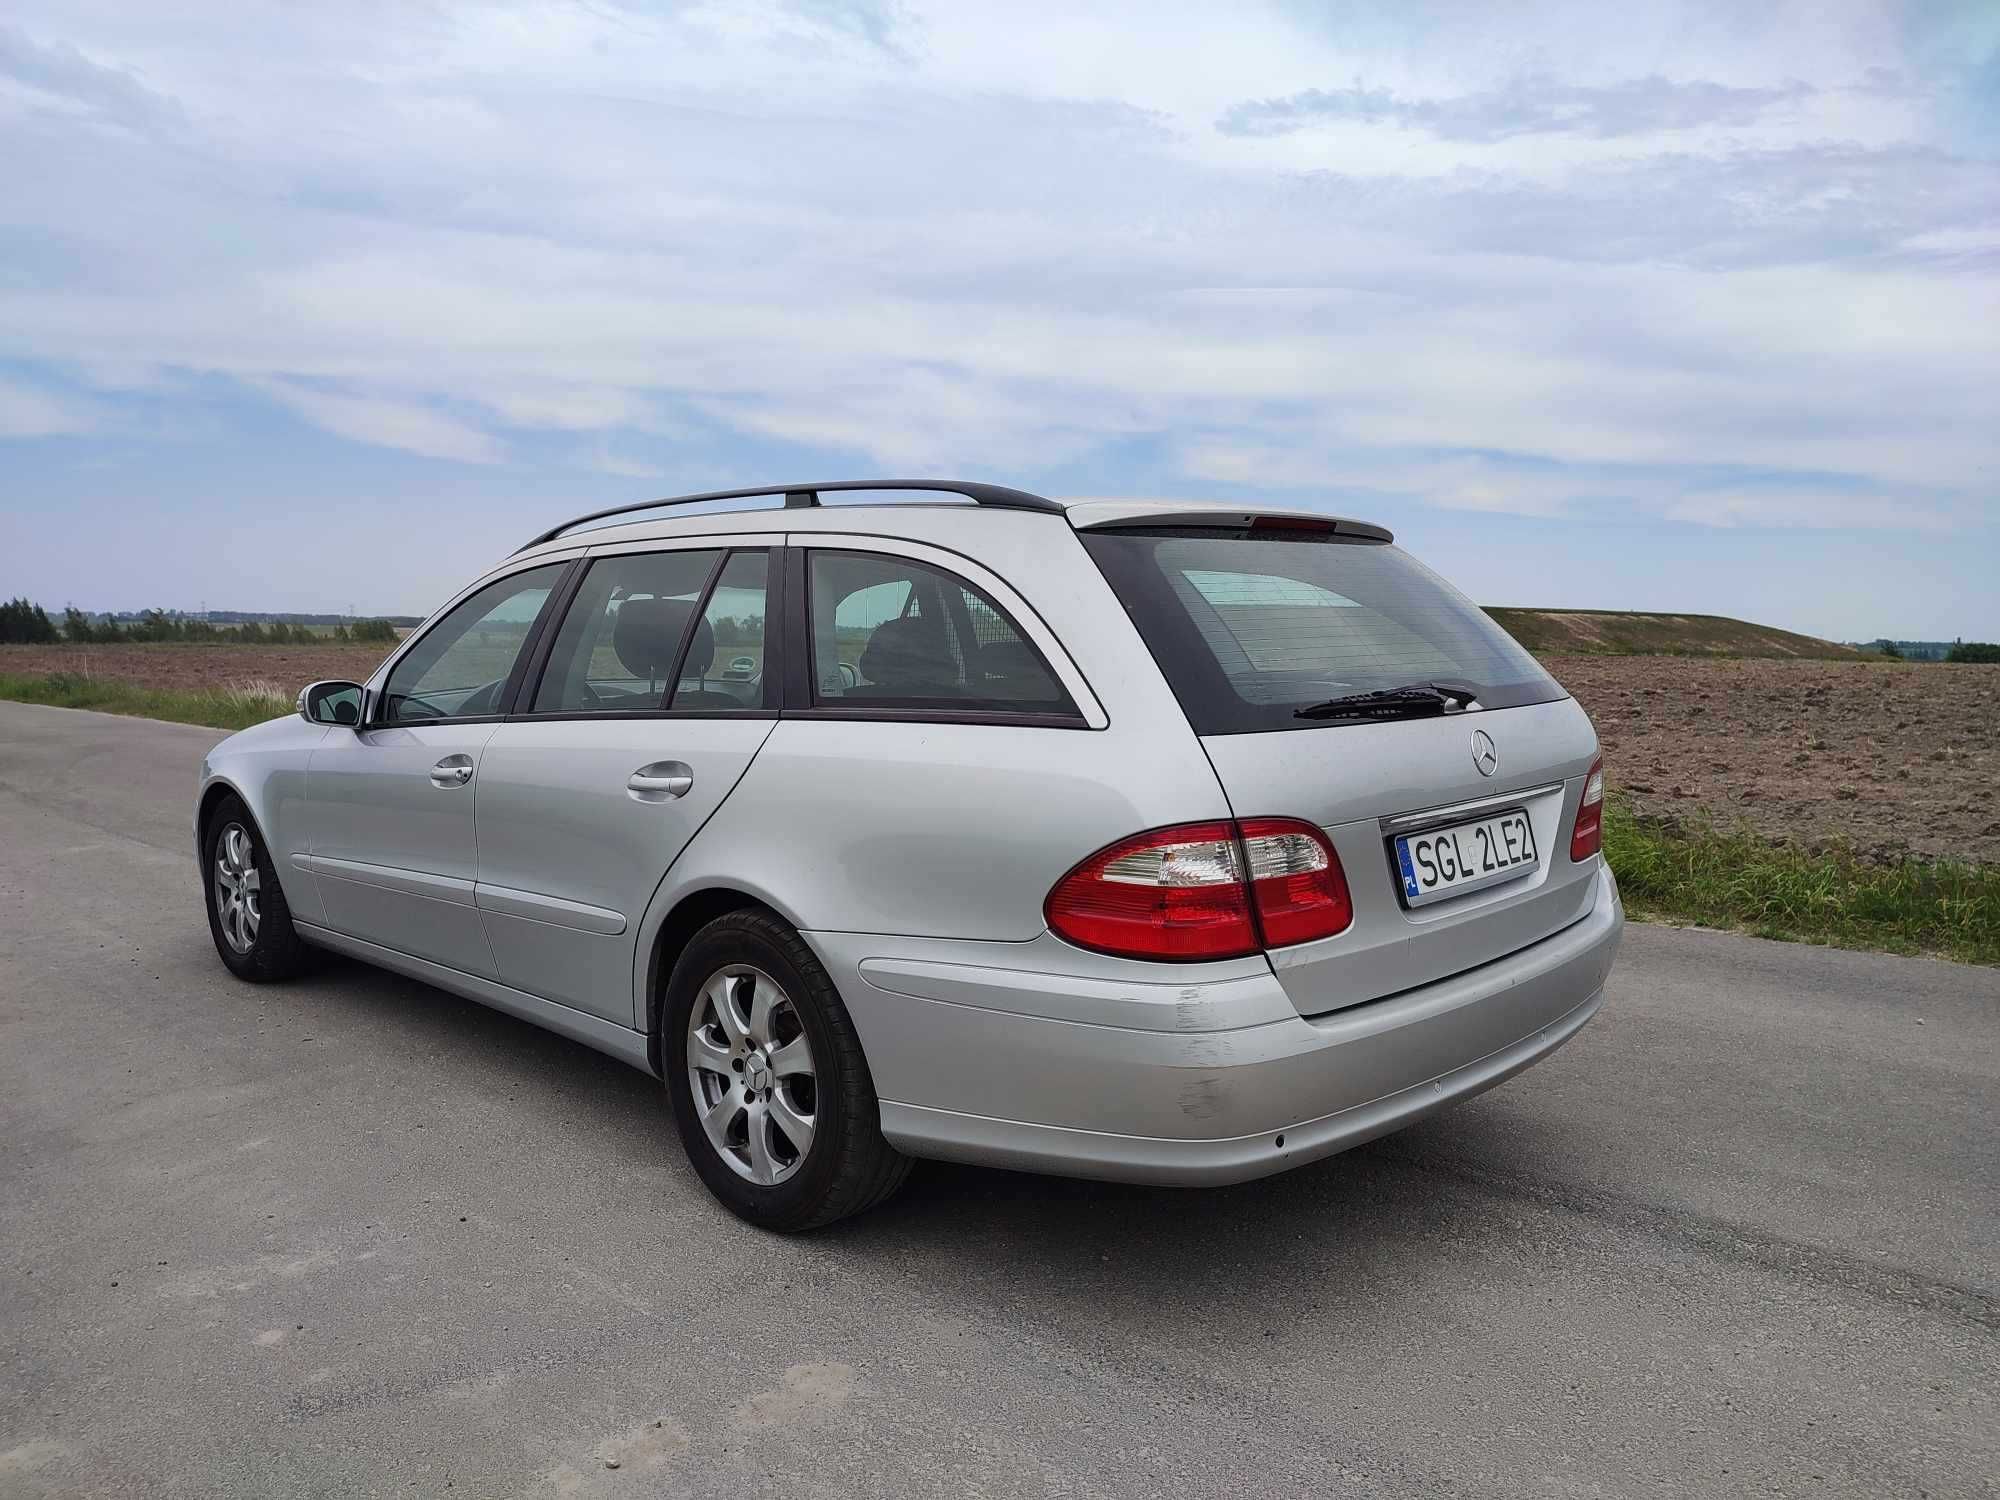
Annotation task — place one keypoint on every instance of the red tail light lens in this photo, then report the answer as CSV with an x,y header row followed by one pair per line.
x,y
1171,893
1188,892
1588,836
1296,883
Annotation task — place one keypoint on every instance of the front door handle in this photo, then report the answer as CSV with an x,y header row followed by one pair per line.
x,y
660,780
453,770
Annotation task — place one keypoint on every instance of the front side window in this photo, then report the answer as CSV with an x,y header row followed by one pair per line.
x,y
892,633
459,669
647,633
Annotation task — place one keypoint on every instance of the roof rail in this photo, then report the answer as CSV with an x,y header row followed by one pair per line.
x,y
798,496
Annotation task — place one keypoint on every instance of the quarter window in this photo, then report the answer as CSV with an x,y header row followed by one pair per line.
x,y
459,669
893,633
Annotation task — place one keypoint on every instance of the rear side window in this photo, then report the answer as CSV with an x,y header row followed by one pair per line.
x,y
893,633
1250,629
620,643
663,632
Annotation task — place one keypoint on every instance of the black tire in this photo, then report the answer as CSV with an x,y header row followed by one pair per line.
x,y
848,1167
276,951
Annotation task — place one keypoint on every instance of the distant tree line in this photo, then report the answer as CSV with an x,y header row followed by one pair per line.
x,y
21,621
1979,651
732,630
25,623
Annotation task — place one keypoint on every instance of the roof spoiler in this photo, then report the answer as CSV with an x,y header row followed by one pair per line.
x,y
1087,515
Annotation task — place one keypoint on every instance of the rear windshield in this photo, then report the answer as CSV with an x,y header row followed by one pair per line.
x,y
1250,628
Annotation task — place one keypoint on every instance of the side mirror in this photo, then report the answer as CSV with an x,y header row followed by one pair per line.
x,y
331,703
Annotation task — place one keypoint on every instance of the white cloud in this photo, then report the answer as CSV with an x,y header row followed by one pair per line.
x,y
1689,245
388,424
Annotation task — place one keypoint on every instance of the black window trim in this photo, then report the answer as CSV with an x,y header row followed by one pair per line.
x,y
531,645
774,609
800,697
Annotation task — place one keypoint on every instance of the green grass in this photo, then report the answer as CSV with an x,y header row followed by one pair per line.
x,y
1720,878
235,707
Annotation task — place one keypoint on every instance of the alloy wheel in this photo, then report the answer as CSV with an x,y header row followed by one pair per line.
x,y
238,888
750,1070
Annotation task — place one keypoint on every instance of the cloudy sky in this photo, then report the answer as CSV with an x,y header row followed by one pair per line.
x,y
1647,305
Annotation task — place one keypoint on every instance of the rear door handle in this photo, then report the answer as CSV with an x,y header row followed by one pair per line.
x,y
660,780
453,770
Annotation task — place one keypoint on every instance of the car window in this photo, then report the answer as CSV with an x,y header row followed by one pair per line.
x,y
1249,627
724,665
622,636
890,632
459,668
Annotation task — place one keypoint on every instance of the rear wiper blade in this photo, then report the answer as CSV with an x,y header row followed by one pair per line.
x,y
1411,700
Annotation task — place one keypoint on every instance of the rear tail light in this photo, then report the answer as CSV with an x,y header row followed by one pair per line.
x,y
1588,835
1204,890
1296,883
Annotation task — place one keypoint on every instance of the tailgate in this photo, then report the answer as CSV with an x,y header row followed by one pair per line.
x,y
1365,784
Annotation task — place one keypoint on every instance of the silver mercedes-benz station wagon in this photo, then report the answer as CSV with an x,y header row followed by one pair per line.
x,y
1175,843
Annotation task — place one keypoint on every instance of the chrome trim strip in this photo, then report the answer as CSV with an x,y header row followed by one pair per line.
x,y
404,882
1437,817
534,907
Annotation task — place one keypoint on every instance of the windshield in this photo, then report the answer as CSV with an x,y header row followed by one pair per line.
x,y
1249,629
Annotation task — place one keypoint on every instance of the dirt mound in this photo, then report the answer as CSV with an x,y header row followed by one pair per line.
x,y
1630,632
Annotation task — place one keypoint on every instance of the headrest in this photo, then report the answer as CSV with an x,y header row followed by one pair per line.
x,y
648,633
1011,659
906,656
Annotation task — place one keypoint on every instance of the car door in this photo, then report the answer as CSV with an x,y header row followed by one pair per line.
x,y
389,804
655,695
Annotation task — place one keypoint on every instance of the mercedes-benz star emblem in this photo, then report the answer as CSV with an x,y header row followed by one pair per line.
x,y
1484,755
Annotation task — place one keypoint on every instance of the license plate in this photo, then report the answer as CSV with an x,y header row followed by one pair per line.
x,y
1444,862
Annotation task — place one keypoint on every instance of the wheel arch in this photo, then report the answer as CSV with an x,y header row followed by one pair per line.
x,y
211,798
253,793
691,911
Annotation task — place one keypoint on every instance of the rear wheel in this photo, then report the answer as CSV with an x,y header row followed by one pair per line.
x,y
247,914
777,1111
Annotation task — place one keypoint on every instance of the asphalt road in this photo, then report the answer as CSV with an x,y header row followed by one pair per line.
x,y
354,1236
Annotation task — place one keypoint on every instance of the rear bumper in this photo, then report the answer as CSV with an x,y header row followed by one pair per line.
x,y
962,1081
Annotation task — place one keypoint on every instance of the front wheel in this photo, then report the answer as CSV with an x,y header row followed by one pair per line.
x,y
776,1108
247,914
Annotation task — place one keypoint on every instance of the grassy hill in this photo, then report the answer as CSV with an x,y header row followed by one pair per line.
x,y
1614,632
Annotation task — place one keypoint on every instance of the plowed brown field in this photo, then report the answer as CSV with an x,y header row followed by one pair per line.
x,y
193,668
1890,758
